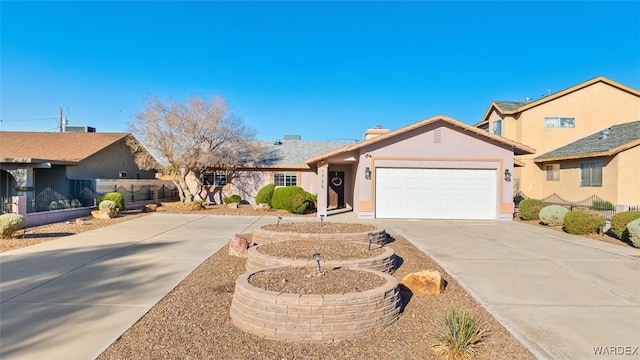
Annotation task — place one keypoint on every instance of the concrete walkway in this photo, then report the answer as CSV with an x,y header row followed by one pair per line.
x,y
561,295
72,297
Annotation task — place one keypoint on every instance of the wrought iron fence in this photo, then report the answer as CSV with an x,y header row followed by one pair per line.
x,y
134,193
593,202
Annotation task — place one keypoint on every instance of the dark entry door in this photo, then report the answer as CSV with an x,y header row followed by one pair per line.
x,y
336,190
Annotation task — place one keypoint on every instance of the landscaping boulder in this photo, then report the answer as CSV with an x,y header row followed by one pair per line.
x,y
262,207
79,222
103,214
424,282
233,205
238,246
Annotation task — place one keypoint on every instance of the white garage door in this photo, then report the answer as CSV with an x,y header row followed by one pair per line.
x,y
436,193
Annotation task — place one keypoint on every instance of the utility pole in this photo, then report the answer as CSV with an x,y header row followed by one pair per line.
x,y
61,121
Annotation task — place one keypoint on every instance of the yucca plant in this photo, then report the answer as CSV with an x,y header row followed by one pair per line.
x,y
459,332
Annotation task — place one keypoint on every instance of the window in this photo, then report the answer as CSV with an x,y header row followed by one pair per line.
x,y
218,178
591,173
285,179
553,172
122,174
556,122
497,127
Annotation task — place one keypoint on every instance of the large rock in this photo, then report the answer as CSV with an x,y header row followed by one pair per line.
x,y
424,282
233,205
262,206
238,246
103,214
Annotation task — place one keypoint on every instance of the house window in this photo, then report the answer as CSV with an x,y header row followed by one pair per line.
x,y
553,172
122,174
497,127
285,179
591,173
218,178
557,122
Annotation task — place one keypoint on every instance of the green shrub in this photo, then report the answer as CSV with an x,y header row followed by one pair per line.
x,y
553,215
10,223
582,222
529,209
232,199
265,194
633,228
619,223
291,198
107,204
458,335
116,197
601,205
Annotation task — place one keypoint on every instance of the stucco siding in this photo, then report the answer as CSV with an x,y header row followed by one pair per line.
x,y
108,164
568,186
629,177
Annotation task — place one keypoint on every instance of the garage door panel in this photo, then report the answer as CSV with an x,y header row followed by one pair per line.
x,y
436,193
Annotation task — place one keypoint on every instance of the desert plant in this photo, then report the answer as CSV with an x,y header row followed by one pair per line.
x,y
601,205
619,223
265,194
10,223
582,222
232,199
633,228
553,215
116,197
458,334
529,209
291,198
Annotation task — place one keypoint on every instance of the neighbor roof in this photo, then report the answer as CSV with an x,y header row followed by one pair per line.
x,y
518,148
620,137
293,153
54,147
513,107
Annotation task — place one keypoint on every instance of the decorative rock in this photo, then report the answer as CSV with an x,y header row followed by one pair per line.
x,y
150,208
232,205
424,282
79,222
102,214
262,207
238,246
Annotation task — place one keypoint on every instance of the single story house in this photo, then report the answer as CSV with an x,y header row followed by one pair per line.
x,y
605,164
437,168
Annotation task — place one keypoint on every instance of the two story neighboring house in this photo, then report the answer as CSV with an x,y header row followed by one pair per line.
x,y
563,120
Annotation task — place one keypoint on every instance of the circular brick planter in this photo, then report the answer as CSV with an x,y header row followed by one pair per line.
x,y
383,262
263,236
314,318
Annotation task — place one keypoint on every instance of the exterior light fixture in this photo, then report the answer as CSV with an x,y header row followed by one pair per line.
x,y
279,219
370,236
321,219
367,173
316,256
507,175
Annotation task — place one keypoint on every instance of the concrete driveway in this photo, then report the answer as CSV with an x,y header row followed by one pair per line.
x,y
561,295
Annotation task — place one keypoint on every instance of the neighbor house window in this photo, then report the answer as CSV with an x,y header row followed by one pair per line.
x,y
285,179
553,172
497,127
556,122
122,174
591,173
218,178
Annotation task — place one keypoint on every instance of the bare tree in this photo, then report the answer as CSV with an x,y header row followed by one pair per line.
x,y
189,138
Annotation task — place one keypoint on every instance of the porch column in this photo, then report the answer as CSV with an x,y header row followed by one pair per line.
x,y
323,175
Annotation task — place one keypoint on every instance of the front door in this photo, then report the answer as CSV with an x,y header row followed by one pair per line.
x,y
336,190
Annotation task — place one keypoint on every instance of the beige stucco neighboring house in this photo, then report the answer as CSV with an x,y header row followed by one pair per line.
x,y
556,120
605,164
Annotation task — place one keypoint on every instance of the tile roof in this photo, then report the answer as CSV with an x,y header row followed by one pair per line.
x,y
62,147
509,105
620,138
293,153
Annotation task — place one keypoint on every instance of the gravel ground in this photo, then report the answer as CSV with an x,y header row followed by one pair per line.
x,y
328,250
301,280
316,227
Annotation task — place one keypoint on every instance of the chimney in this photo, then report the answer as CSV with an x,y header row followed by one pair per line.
x,y
375,132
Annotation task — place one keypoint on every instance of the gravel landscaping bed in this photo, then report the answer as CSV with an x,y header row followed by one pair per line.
x,y
316,227
328,250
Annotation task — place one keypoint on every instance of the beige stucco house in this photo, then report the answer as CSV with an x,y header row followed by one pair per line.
x,y
558,120
437,168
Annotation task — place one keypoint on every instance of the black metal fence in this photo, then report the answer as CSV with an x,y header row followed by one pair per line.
x,y
593,202
134,193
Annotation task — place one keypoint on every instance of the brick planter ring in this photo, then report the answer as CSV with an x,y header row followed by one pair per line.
x,y
383,262
263,236
314,318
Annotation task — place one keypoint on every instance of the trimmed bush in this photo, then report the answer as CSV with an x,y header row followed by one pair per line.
x,y
116,197
265,194
601,205
10,223
633,228
582,222
620,221
232,199
529,209
458,334
292,198
107,205
553,215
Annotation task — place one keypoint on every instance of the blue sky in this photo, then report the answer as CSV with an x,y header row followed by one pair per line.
x,y
323,70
